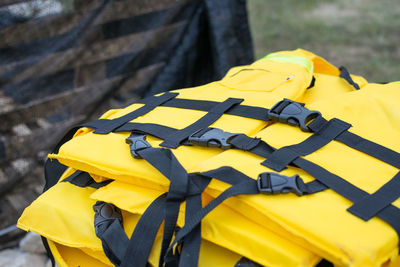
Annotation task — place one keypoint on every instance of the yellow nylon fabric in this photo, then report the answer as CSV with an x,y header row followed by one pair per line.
x,y
71,234
240,235
320,221
259,98
100,159
240,82
210,255
70,256
296,231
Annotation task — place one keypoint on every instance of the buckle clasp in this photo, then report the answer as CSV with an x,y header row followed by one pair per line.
x,y
292,113
137,142
272,183
211,137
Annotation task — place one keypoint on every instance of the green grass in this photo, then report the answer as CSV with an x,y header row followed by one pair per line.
x,y
363,35
68,5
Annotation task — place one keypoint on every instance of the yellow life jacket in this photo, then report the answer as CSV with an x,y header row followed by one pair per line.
x,y
271,230
77,244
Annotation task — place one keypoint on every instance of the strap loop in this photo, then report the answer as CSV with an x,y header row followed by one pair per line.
x,y
370,205
83,179
151,103
213,115
344,73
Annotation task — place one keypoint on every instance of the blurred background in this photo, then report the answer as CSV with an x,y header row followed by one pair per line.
x,y
63,62
363,35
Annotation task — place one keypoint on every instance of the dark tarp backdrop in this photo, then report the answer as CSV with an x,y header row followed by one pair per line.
x,y
67,61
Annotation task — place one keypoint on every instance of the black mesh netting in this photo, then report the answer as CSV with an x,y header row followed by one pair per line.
x,y
67,61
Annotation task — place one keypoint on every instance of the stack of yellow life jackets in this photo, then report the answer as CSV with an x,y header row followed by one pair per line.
x,y
284,162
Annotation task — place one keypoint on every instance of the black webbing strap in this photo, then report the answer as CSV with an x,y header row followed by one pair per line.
x,y
241,185
205,137
156,130
182,187
344,73
118,248
231,176
142,238
368,147
213,114
312,83
251,112
261,148
48,251
165,162
239,141
314,187
361,144
83,179
189,255
171,213
280,158
103,126
114,241
189,187
362,208
52,173
106,126
389,213
108,228
141,242
370,205
245,186
294,113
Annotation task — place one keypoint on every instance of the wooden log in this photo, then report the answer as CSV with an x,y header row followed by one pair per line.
x,y
58,24
4,3
75,100
13,203
13,173
46,134
40,139
96,52
149,5
10,236
6,103
90,73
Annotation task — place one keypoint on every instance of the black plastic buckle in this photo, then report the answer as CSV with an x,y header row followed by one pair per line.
x,y
105,215
273,183
292,113
137,142
211,137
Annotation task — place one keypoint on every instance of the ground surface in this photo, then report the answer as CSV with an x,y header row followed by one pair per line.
x,y
363,35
